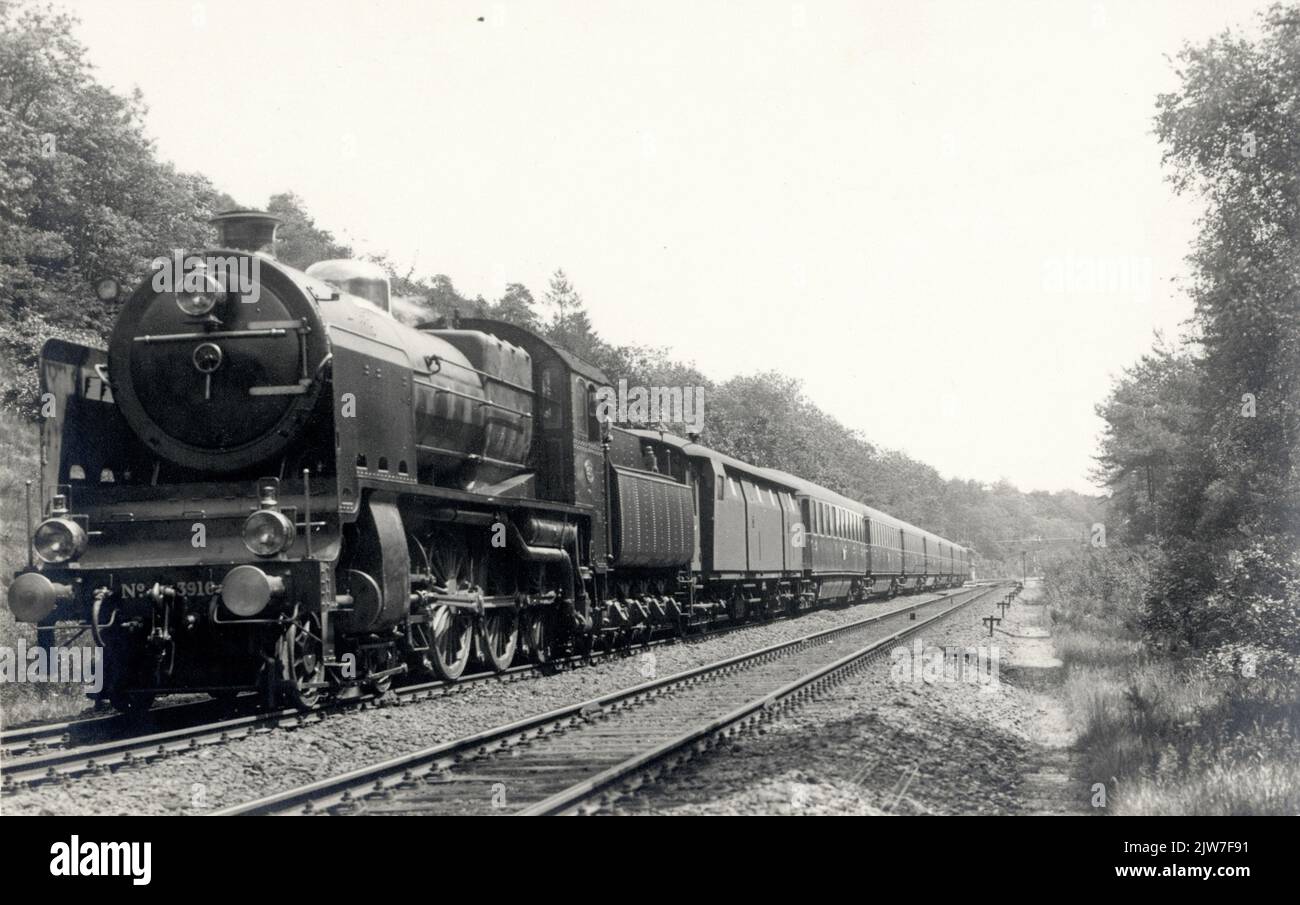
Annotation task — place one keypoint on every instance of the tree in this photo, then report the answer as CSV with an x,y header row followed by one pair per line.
x,y
570,326
1153,445
516,306
299,241
1229,134
1201,443
82,193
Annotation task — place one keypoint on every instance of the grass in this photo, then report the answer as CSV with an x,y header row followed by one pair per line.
x,y
1165,735
20,462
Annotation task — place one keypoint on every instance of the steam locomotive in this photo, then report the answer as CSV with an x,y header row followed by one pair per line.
x,y
272,484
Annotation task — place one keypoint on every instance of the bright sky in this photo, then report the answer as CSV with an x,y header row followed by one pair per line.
x,y
948,219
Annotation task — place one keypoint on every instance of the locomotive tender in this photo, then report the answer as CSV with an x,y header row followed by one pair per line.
x,y
285,489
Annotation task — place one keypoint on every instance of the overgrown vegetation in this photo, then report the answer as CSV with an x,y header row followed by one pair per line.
x,y
1185,731
1200,443
1183,647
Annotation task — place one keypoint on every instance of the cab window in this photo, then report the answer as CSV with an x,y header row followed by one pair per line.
x,y
593,422
552,416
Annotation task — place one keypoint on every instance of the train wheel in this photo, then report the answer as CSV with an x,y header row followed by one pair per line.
x,y
451,635
451,629
382,661
302,669
498,637
539,634
737,607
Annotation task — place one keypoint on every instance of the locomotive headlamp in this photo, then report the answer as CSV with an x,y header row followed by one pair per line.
x,y
267,532
59,540
200,301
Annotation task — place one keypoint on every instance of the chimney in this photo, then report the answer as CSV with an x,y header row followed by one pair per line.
x,y
246,230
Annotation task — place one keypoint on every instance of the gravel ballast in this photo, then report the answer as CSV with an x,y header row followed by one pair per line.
x,y
894,740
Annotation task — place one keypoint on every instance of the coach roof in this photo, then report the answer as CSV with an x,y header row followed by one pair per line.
x,y
695,450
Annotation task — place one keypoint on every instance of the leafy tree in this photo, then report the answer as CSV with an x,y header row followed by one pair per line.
x,y
1152,445
1229,134
299,241
82,193
1200,446
516,306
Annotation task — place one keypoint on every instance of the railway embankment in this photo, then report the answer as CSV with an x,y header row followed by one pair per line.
x,y
955,722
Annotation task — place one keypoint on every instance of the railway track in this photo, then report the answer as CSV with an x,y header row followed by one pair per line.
x,y
44,737
64,751
60,752
558,762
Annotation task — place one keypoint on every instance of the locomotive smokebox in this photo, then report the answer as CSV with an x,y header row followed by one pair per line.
x,y
246,230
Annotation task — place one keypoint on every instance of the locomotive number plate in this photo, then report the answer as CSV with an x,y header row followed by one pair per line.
x,y
131,589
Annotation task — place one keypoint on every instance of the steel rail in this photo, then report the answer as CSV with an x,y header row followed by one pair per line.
x,y
406,769
55,742
568,800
